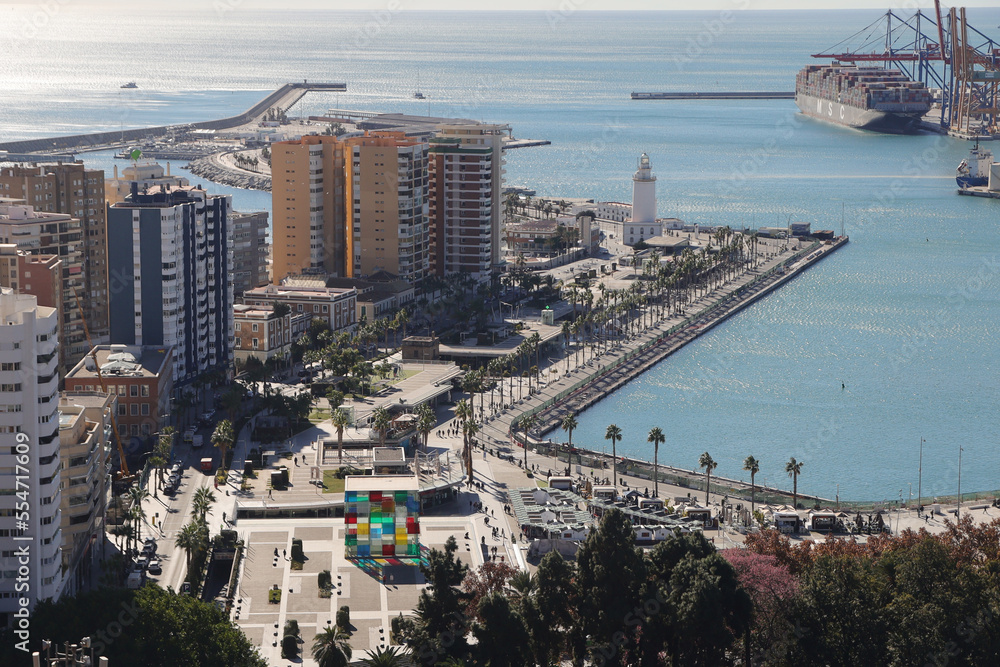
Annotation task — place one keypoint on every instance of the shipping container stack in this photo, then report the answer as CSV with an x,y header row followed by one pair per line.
x,y
871,88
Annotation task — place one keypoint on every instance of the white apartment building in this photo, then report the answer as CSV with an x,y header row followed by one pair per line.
x,y
30,498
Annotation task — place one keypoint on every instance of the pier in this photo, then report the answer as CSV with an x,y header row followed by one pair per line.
x,y
980,192
284,97
716,96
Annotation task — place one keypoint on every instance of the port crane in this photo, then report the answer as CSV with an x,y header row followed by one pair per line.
x,y
943,51
124,476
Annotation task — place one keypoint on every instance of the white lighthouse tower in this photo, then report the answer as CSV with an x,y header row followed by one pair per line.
x,y
643,225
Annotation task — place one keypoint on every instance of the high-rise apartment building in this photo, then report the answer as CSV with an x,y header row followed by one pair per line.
x,y
43,233
72,189
30,534
466,181
249,251
171,277
387,206
307,195
85,439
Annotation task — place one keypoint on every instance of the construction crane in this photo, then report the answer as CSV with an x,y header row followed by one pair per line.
x,y
124,476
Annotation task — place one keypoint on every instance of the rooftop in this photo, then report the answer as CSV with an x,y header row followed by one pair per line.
x,y
381,483
124,361
292,292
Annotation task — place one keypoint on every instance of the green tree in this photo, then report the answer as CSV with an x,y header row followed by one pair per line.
x,y
551,611
441,625
501,637
614,434
382,422
569,425
340,421
752,465
426,420
708,463
330,648
191,539
223,438
657,438
384,657
609,570
793,468
202,503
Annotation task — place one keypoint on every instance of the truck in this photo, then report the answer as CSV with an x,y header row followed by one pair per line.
x,y
206,465
189,435
136,578
198,440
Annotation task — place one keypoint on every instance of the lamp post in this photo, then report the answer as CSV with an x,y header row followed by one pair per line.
x,y
920,473
958,510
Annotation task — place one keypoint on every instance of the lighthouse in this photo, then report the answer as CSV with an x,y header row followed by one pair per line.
x,y
643,224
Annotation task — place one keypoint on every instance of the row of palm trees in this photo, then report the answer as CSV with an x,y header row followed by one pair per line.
x,y
194,537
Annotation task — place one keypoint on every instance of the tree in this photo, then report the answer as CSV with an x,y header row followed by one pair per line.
x,y
568,425
657,438
190,539
489,579
441,625
223,438
793,468
551,612
340,421
527,422
330,648
609,571
384,657
382,422
502,638
751,465
426,420
202,502
469,431
614,434
708,463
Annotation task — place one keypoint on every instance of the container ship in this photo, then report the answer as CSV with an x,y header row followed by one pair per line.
x,y
868,98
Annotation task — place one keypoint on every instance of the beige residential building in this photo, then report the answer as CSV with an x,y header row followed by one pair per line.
x,y
261,333
466,181
307,201
147,174
85,431
336,306
72,189
387,216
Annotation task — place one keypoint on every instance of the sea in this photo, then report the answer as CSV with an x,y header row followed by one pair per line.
x,y
888,347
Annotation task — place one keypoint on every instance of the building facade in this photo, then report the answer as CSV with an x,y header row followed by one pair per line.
x,y
336,306
643,224
307,202
146,174
387,188
85,420
141,379
249,251
466,182
30,570
43,233
261,333
171,268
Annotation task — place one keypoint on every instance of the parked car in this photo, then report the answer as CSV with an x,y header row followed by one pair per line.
x,y
142,561
189,435
176,468
154,567
149,546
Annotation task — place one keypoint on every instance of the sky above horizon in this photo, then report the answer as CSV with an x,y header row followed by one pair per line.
x,y
562,6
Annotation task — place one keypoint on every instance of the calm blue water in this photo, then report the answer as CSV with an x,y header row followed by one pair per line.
x,y
905,316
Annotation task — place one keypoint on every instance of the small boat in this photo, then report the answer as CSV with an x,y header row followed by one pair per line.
x,y
418,95
130,84
974,171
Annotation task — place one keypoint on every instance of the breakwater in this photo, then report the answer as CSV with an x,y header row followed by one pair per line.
x,y
214,170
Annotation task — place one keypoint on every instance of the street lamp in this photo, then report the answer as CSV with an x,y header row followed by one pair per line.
x,y
920,473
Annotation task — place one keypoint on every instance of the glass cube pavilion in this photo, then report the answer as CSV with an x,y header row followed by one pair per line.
x,y
381,513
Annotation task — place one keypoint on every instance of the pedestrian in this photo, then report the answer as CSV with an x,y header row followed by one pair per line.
x,y
275,552
284,554
270,497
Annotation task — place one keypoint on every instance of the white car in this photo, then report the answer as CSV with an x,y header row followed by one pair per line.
x,y
154,567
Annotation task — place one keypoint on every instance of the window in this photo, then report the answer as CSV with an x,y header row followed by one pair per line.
x,y
238,341
326,309
255,340
255,327
238,325
135,410
145,429
11,387
144,391
122,429
315,308
16,366
133,390
145,409
122,410
121,390
135,429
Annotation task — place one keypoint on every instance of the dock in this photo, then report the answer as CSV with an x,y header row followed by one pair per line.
x,y
980,191
751,95
525,143
284,97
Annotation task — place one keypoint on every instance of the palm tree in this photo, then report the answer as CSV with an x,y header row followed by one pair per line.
x,y
751,465
330,649
426,420
793,468
340,421
527,422
469,431
136,494
380,657
381,420
568,424
614,434
708,463
656,437
189,539
463,411
566,330
202,502
223,438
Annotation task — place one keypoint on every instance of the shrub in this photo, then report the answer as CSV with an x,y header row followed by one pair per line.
x,y
344,617
324,579
297,550
289,647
